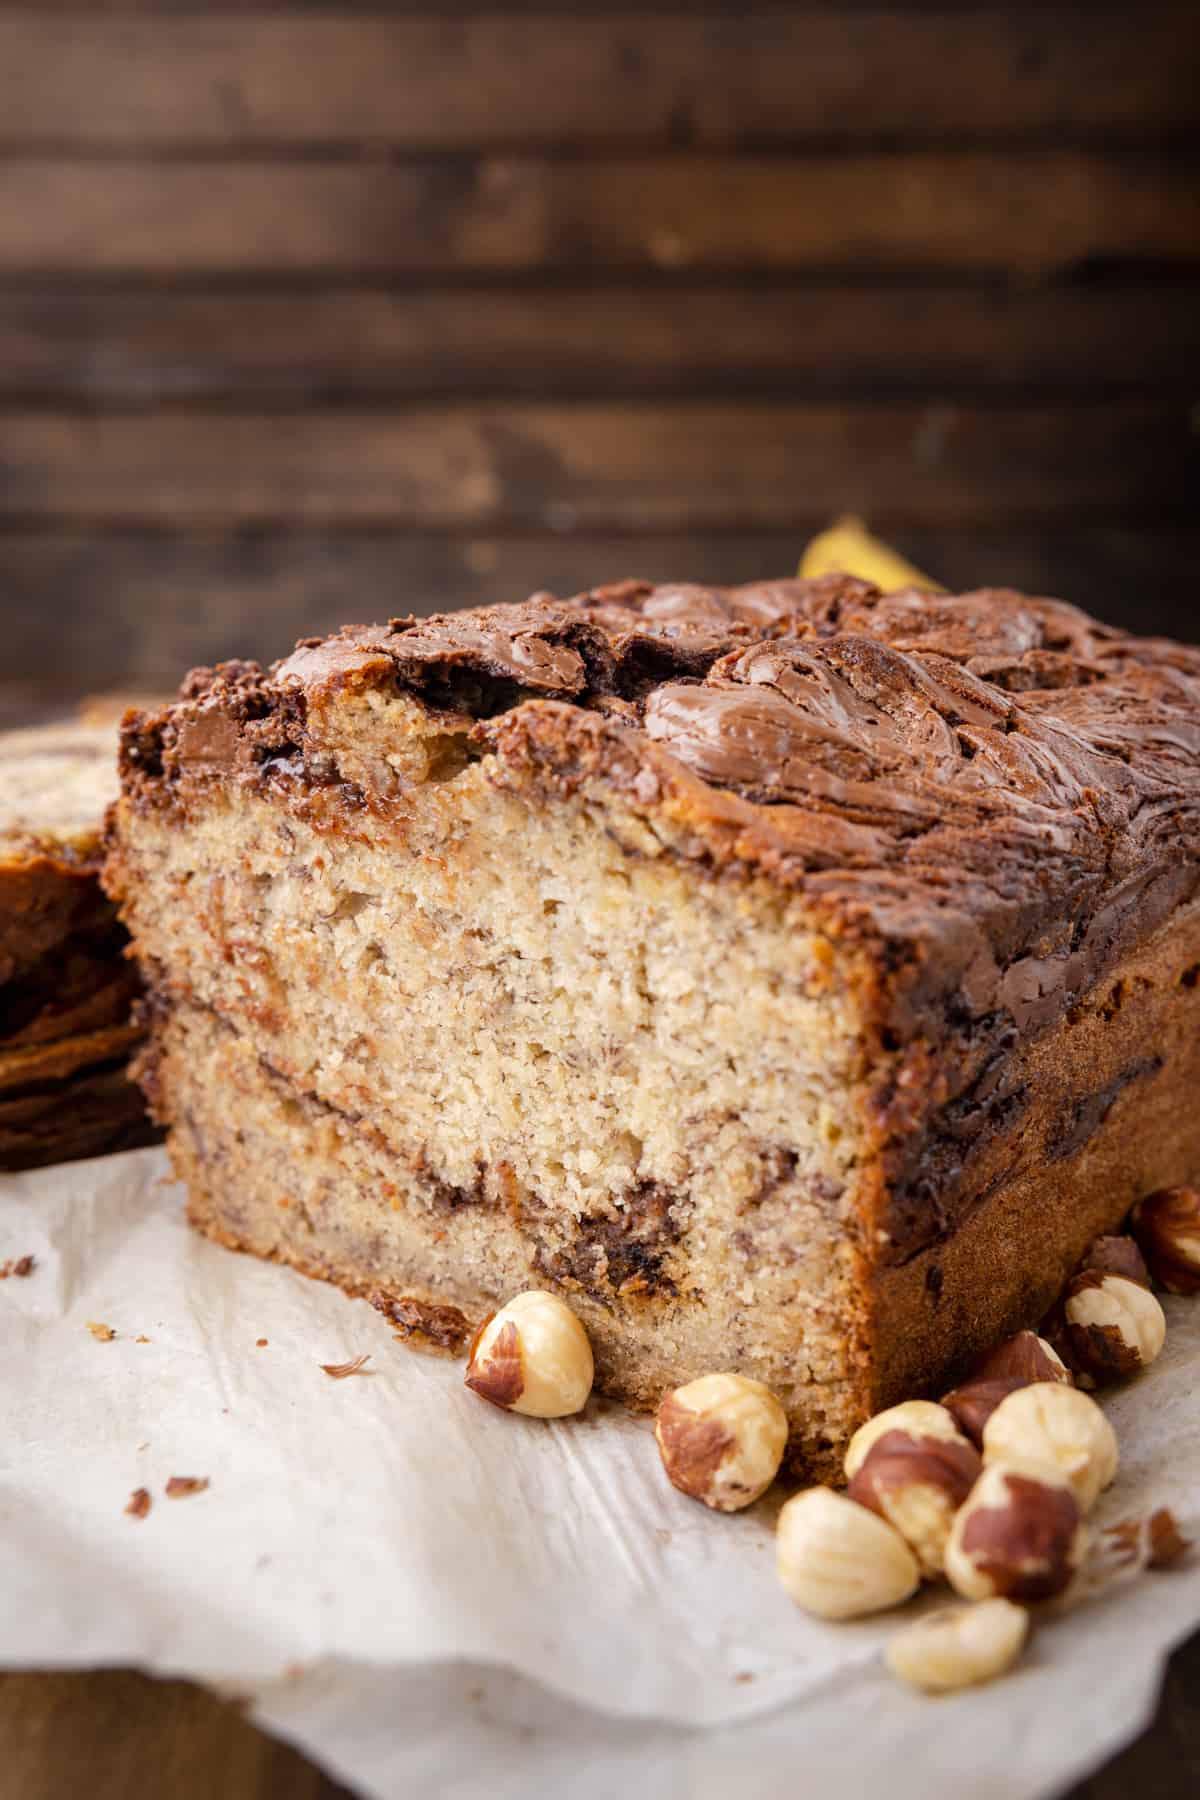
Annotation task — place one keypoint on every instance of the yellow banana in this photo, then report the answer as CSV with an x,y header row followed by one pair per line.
x,y
848,548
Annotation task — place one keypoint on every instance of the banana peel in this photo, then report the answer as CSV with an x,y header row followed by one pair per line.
x,y
848,548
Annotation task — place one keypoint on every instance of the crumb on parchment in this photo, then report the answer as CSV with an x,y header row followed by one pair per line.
x,y
139,1503
18,1265
339,1371
180,1486
103,1334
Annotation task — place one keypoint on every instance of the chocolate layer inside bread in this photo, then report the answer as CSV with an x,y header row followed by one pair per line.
x,y
728,960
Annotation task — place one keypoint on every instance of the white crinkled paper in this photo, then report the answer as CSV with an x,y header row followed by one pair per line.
x,y
419,1589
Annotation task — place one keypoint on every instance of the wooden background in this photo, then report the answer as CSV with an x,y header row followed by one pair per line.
x,y
312,313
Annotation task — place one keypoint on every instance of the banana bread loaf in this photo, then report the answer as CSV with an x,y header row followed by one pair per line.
x,y
795,977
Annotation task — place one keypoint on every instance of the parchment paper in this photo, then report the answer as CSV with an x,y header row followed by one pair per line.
x,y
418,1589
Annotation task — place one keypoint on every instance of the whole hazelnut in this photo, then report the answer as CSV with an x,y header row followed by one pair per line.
x,y
840,1561
959,1646
1116,1256
1024,1358
532,1357
917,1483
1018,1534
920,1418
1167,1227
1058,1426
1114,1326
722,1439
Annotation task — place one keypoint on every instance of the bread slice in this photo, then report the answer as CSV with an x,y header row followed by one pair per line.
x,y
67,991
796,978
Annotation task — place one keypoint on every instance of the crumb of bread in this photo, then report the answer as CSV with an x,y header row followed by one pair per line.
x,y
103,1334
180,1486
339,1371
139,1503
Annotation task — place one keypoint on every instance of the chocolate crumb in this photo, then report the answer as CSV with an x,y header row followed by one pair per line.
x,y
443,1327
139,1503
260,1343
339,1371
180,1486
24,1265
103,1334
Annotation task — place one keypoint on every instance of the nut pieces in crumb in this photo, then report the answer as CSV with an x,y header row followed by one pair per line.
x,y
919,1418
1166,1225
1114,1326
959,1646
722,1439
840,1561
1018,1535
532,1357
917,1482
1060,1427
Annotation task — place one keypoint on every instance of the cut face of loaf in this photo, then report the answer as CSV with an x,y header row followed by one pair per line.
x,y
521,1053
465,982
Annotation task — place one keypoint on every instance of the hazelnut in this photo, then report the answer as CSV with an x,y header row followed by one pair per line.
x,y
1013,1364
959,1646
972,1405
1058,1426
532,1357
1167,1227
838,1560
1023,1358
1116,1256
917,1483
722,1439
920,1418
1018,1534
1114,1326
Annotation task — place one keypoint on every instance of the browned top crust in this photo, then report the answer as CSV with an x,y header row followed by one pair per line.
x,y
1003,767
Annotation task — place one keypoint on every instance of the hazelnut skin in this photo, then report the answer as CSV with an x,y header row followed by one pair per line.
x,y
1166,1225
722,1439
973,1404
958,1647
1061,1427
1116,1256
840,1561
1014,1364
1019,1535
532,1357
1024,1358
917,1483
920,1418
1114,1326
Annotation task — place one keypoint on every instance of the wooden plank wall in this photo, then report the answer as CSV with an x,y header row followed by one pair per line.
x,y
311,312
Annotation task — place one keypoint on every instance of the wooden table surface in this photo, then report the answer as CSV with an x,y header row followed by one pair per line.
x,y
116,1735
